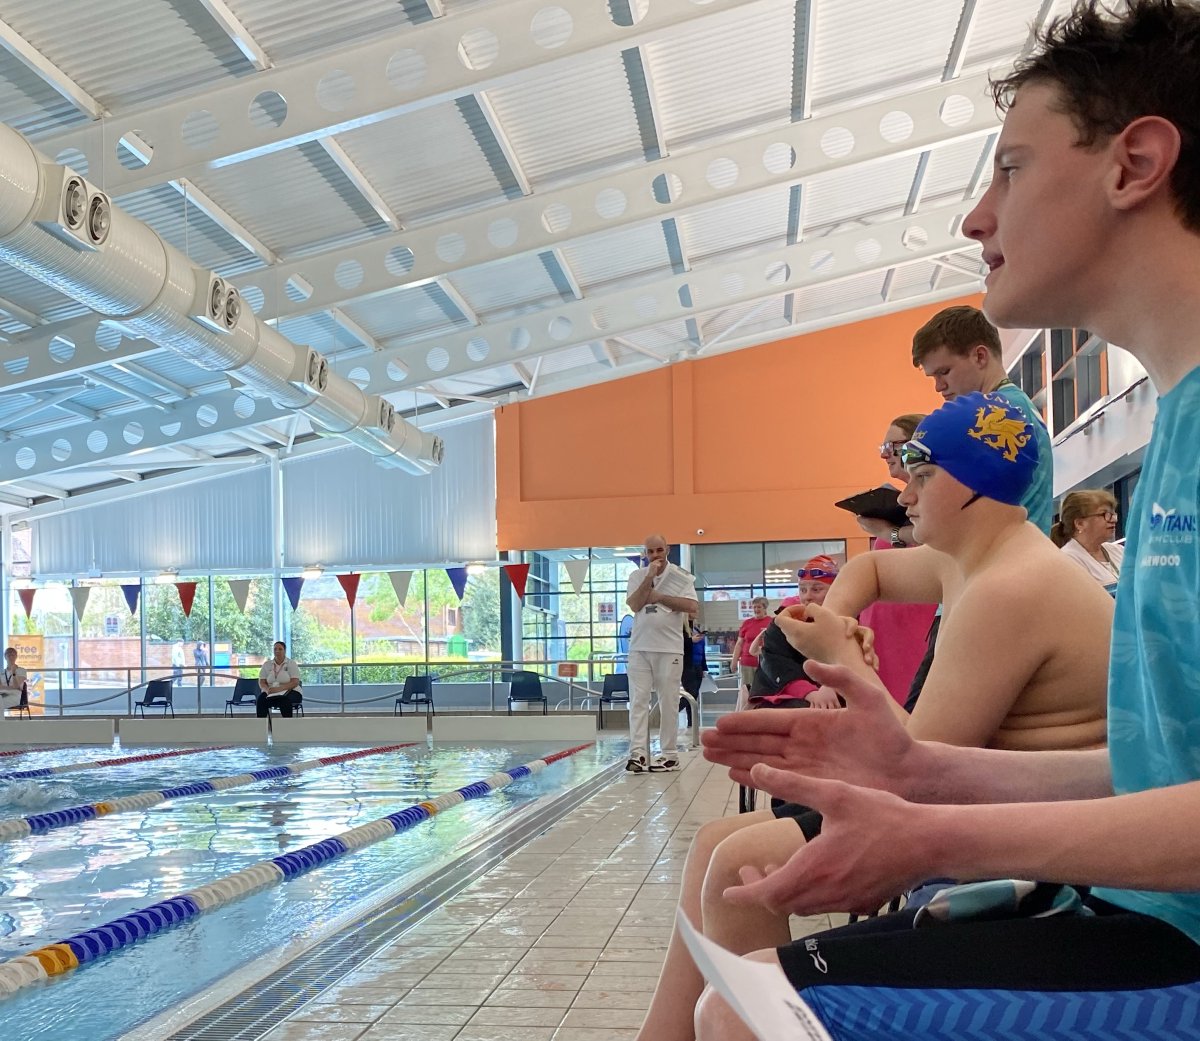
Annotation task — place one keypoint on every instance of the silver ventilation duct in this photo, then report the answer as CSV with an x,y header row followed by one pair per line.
x,y
63,231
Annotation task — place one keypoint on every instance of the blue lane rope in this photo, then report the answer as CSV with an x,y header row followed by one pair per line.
x,y
58,958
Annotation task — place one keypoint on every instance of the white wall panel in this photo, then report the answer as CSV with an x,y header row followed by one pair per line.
x,y
218,524
341,508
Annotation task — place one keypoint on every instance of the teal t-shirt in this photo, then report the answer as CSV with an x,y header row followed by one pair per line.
x,y
1039,498
1154,674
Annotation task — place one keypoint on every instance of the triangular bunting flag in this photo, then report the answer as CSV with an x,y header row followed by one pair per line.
x,y
635,561
577,572
292,587
187,595
26,596
349,585
79,597
132,592
517,575
240,588
400,581
458,579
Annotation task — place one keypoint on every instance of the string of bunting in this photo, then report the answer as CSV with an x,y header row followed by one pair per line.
x,y
40,823
58,958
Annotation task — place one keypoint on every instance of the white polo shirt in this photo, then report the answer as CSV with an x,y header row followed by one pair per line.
x,y
278,674
13,678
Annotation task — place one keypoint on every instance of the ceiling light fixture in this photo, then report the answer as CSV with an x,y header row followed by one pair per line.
x,y
313,571
166,576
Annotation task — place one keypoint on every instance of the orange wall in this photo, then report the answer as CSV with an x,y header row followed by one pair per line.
x,y
753,445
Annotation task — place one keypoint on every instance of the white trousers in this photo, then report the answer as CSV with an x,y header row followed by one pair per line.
x,y
660,672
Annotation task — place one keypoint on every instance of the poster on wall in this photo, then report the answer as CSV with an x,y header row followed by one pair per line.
x,y
607,611
31,651
745,609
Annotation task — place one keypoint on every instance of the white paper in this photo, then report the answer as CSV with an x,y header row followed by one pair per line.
x,y
760,994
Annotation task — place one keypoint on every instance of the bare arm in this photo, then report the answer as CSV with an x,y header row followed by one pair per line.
x,y
915,577
881,529
682,604
640,596
962,703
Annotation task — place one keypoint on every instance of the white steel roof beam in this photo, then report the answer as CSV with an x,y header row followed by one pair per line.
x,y
20,313
49,73
804,36
232,27
224,220
424,65
748,279
129,392
75,346
962,37
487,112
779,155
117,436
361,182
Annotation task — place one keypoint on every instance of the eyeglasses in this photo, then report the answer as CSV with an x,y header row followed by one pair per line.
x,y
1109,515
890,448
814,572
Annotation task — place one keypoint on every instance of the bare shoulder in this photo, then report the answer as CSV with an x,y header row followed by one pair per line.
x,y
1036,575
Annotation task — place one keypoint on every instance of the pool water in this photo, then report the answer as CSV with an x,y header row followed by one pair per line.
x,y
81,876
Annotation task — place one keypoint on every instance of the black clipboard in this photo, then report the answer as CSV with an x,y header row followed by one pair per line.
x,y
881,503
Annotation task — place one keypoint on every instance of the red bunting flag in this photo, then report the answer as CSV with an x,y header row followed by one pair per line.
x,y
187,595
26,596
517,575
349,587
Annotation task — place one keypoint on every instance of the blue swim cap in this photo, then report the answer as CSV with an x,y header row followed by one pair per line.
x,y
981,440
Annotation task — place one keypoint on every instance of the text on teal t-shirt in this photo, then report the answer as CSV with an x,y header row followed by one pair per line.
x,y
1154,673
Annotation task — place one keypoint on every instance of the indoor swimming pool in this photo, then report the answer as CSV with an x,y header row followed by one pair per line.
x,y
80,876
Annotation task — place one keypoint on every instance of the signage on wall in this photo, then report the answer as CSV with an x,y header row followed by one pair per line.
x,y
745,609
112,624
607,611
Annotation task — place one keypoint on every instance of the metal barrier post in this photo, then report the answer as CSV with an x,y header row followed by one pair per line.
x,y
492,686
342,686
129,690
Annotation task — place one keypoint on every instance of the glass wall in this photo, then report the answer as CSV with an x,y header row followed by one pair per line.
x,y
728,576
241,640
559,624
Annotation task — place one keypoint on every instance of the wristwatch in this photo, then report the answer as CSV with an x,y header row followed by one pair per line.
x,y
897,541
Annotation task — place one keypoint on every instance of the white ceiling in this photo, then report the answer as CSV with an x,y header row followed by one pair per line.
x,y
465,202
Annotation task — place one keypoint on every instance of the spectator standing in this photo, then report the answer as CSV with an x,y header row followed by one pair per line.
x,y
177,661
743,659
660,595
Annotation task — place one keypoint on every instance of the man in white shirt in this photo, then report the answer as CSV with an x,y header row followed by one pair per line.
x,y
279,683
14,682
661,596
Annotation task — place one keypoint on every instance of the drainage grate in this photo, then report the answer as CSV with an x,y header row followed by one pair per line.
x,y
263,1006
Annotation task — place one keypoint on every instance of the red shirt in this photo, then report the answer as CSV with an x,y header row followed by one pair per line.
x,y
750,629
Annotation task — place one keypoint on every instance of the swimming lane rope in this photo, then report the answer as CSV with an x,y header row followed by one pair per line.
x,y
58,958
50,771
5,753
40,823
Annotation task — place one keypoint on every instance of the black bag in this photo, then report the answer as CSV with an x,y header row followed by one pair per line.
x,y
778,665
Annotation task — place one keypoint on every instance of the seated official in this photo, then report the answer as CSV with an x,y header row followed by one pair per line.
x,y
279,684
14,685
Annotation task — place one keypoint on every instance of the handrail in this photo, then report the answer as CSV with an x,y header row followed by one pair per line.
x,y
579,689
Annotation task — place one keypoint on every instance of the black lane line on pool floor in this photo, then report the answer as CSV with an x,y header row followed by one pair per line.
x,y
263,1006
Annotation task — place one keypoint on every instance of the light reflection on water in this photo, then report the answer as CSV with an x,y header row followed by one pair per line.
x,y
54,885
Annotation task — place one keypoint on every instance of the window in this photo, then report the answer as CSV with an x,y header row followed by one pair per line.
x,y
1079,374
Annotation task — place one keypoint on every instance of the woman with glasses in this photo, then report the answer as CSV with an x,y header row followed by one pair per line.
x,y
903,632
1085,531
